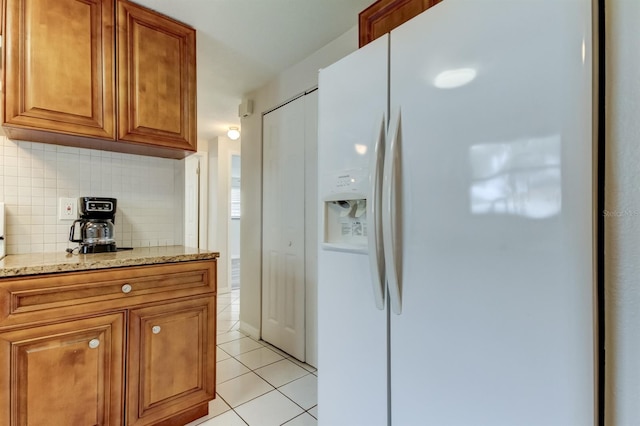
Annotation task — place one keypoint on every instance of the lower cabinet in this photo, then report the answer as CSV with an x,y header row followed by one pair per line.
x,y
171,361
63,374
135,346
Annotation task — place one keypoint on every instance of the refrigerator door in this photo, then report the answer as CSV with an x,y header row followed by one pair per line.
x,y
495,263
352,330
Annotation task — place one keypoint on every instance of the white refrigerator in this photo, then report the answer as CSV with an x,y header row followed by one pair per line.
x,y
456,183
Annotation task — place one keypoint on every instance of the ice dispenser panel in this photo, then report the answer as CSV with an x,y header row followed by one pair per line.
x,y
346,224
345,212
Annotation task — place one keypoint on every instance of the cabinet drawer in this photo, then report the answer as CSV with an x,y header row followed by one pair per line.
x,y
80,292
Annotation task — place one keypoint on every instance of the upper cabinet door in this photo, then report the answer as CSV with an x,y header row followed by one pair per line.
x,y
59,66
156,79
384,15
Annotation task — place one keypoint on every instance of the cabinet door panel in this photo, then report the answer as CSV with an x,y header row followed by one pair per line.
x,y
157,57
68,373
156,79
384,15
171,359
59,66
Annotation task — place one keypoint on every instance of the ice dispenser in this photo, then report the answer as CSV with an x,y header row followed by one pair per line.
x,y
345,213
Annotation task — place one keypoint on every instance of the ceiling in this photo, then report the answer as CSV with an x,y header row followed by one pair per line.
x,y
243,44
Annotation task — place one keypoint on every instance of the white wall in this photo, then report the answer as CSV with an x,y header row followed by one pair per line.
x,y
622,225
287,85
150,193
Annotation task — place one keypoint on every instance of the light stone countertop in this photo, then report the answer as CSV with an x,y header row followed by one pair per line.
x,y
14,265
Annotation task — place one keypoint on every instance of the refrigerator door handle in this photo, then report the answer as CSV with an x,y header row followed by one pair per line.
x,y
374,206
391,197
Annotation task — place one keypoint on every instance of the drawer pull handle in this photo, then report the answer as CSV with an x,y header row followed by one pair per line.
x,y
156,329
126,288
94,343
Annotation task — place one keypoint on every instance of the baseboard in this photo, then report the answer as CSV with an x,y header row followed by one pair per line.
x,y
249,330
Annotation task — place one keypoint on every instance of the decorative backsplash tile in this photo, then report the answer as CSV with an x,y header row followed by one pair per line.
x,y
150,193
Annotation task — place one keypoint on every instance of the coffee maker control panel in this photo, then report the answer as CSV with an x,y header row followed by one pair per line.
x,y
99,206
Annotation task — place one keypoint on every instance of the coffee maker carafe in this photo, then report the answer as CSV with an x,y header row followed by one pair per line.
x,y
97,218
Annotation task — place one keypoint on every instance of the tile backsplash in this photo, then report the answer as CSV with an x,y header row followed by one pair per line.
x,y
33,176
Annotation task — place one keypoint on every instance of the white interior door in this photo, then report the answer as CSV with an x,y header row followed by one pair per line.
x,y
234,222
283,270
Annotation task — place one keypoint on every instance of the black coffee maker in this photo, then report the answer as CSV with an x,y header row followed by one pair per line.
x,y
97,217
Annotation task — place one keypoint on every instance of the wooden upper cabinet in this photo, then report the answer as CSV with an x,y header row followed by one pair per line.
x,y
61,58
59,67
384,15
156,79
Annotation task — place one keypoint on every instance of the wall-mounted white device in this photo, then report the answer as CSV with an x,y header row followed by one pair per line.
x,y
245,109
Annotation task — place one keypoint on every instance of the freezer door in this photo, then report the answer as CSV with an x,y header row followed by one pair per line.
x,y
494,203
352,330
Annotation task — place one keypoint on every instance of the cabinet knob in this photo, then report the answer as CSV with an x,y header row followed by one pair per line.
x,y
126,288
156,329
94,343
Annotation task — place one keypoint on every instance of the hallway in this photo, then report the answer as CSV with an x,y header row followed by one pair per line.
x,y
257,384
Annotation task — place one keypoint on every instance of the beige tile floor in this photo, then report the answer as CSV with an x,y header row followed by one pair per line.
x,y
257,384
